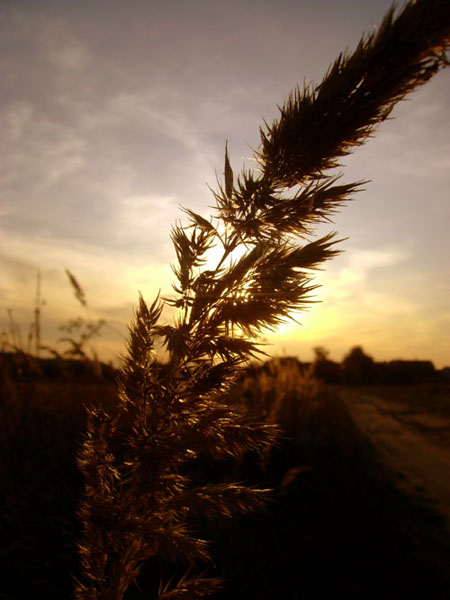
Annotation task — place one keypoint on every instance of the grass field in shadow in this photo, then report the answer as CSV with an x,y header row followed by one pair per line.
x,y
336,524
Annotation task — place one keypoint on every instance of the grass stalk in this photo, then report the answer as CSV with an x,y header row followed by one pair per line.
x,y
141,501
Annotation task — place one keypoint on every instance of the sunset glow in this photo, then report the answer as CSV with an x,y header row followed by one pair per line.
x,y
116,115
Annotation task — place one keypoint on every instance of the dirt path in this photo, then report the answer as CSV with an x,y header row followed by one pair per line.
x,y
415,445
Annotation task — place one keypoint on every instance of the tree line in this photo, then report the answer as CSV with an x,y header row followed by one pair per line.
x,y
359,368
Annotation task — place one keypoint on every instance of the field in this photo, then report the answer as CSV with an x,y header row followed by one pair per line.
x,y
337,524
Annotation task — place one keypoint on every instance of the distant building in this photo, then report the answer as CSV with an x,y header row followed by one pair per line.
x,y
406,371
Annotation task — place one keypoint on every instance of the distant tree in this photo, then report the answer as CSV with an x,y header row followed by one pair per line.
x,y
325,369
358,367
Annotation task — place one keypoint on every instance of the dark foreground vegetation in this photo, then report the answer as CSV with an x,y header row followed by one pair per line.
x,y
336,525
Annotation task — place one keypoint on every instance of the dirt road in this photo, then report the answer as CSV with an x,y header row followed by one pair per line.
x,y
414,444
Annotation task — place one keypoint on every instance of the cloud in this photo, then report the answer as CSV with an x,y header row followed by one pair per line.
x,y
38,149
355,267
17,119
69,56
417,140
144,216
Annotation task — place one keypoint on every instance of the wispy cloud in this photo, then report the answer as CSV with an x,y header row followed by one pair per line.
x,y
350,273
17,119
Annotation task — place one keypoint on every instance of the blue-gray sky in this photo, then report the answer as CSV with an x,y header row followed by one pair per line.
x,y
114,113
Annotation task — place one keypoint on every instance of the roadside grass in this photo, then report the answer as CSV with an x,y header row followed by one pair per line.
x,y
41,424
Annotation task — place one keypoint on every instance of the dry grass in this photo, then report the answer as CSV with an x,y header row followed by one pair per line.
x,y
336,526
41,425
141,499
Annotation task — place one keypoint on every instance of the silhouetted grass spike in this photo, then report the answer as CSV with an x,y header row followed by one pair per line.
x,y
320,125
141,501
77,289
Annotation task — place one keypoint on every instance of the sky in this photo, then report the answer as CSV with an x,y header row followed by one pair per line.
x,y
115,113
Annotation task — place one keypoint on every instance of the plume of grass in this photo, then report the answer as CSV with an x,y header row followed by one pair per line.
x,y
80,332
140,502
78,291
